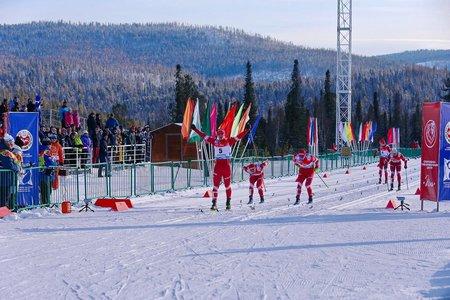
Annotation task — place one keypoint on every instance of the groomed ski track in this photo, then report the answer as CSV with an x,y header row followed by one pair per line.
x,y
173,247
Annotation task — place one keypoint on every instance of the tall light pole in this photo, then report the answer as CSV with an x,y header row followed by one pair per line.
x,y
343,66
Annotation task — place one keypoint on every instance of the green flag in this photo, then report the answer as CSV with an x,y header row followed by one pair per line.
x,y
237,118
194,137
206,123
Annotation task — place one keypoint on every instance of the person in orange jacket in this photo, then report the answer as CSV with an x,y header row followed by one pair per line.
x,y
56,152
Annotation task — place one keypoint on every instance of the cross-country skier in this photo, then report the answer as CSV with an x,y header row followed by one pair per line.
x,y
385,151
222,166
307,164
256,171
395,163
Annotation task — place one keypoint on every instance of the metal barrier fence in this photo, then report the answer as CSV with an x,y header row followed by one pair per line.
x,y
122,154
137,179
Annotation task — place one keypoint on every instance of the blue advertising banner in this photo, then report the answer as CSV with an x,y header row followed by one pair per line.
x,y
444,149
25,126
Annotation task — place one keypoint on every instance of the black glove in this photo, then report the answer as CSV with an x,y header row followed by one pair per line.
x,y
193,126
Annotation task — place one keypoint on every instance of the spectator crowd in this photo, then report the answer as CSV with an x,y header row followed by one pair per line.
x,y
102,143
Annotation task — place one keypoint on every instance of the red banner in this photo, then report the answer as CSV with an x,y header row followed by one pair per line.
x,y
429,171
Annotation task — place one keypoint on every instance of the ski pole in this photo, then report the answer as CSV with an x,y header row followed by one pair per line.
x,y
407,181
321,178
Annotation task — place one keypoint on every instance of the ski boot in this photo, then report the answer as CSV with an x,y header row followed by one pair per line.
x,y
228,205
399,187
392,187
214,205
250,200
261,200
310,200
379,181
297,200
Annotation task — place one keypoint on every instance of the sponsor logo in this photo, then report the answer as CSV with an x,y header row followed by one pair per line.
x,y
446,169
447,133
430,133
27,139
429,183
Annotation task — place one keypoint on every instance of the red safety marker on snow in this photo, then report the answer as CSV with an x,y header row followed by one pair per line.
x,y
208,194
4,211
391,204
347,172
325,175
110,202
120,206
417,192
364,168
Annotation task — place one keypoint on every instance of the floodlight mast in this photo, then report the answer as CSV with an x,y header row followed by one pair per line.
x,y
343,67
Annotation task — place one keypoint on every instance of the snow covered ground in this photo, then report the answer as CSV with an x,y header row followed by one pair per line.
x,y
172,247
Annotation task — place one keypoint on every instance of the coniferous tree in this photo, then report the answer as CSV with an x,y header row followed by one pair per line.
x,y
358,118
382,127
249,93
446,90
416,125
295,119
396,113
376,108
329,112
177,109
271,133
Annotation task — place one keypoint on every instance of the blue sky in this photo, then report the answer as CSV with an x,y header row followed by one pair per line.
x,y
380,26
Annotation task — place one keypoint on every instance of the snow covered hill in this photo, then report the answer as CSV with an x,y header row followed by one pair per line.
x,y
347,246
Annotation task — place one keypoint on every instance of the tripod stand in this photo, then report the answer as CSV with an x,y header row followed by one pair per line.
x,y
402,203
86,206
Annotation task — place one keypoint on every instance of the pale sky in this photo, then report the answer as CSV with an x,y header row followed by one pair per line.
x,y
379,26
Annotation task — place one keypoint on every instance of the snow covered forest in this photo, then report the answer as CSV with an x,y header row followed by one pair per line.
x,y
134,64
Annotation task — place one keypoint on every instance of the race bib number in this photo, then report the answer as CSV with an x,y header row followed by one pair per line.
x,y
384,153
222,152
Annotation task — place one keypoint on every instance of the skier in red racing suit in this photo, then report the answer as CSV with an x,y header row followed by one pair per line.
x,y
307,164
256,171
222,155
395,163
385,152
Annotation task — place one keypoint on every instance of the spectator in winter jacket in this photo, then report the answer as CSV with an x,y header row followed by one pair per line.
x,y
30,106
98,121
4,107
14,104
111,123
96,145
47,168
91,124
62,113
103,155
8,180
56,151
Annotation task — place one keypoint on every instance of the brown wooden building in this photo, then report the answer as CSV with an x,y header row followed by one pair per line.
x,y
168,145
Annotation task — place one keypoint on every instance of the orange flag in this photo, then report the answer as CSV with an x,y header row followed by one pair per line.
x,y
187,118
245,118
227,123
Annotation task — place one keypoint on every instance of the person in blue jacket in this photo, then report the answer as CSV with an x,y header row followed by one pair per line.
x,y
47,166
112,122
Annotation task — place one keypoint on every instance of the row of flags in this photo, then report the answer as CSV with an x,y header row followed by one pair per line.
x,y
366,132
394,136
233,123
237,118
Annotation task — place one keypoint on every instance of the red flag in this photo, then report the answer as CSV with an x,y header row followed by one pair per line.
x,y
187,118
227,123
213,119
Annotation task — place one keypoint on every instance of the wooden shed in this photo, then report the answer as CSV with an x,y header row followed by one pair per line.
x,y
168,145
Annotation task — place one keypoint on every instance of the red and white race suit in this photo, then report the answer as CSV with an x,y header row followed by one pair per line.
x,y
256,171
222,155
306,165
395,163
385,152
